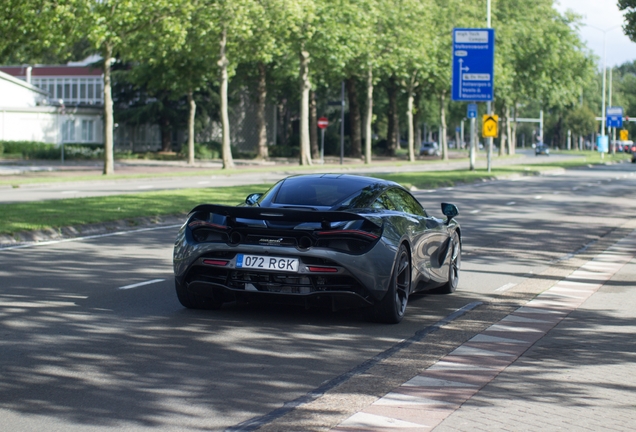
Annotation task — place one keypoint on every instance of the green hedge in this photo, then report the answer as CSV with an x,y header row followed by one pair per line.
x,y
41,150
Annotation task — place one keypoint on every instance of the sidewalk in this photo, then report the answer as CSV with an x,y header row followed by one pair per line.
x,y
564,361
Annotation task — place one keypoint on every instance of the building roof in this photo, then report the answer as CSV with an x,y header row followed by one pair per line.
x,y
21,83
52,71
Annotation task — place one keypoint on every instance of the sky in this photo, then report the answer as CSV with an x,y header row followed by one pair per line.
x,y
603,15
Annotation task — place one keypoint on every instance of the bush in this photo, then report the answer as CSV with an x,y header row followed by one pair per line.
x,y
83,151
32,149
1,148
40,150
204,150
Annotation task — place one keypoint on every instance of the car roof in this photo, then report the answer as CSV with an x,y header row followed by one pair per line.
x,y
360,179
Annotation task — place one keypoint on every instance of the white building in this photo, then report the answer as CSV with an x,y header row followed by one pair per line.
x,y
52,104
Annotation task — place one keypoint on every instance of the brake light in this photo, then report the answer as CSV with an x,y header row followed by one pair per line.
x,y
348,233
315,269
200,223
221,263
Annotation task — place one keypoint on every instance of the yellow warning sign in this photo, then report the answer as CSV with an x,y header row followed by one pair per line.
x,y
624,134
489,126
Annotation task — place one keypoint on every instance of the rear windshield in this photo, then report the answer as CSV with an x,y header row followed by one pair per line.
x,y
318,191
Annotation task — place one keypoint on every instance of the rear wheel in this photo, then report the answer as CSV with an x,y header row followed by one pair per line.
x,y
454,266
391,308
193,301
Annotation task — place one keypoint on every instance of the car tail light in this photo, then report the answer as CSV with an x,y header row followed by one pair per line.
x,y
347,240
204,231
316,269
214,262
206,224
354,233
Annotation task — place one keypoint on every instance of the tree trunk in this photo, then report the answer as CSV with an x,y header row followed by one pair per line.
x,y
354,118
313,126
511,147
442,116
411,130
226,149
503,141
261,124
109,160
392,137
368,119
305,86
193,109
165,129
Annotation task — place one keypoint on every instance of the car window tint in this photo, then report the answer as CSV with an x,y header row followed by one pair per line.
x,y
319,191
405,202
383,201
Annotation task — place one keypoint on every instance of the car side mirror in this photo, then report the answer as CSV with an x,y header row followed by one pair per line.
x,y
449,210
252,199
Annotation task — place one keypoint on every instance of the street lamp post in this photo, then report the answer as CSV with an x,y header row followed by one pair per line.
x,y
603,114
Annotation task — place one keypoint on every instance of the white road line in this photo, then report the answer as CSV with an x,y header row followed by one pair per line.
x,y
69,192
145,187
506,287
538,197
76,239
474,211
141,284
511,203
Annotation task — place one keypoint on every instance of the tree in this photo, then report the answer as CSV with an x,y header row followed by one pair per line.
x,y
630,17
123,28
31,30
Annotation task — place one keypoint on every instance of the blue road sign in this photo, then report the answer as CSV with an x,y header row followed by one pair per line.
x,y
473,64
614,117
472,111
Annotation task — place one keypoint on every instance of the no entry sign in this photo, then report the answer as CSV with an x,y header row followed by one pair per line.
x,y
323,122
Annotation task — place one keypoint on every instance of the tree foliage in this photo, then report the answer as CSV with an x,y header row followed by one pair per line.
x,y
395,56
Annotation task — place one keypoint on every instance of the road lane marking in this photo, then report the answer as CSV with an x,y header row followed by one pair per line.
x,y
505,287
70,192
511,203
203,182
538,197
474,211
145,187
96,236
141,284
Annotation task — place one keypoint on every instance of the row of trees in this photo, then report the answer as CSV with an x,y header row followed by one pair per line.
x,y
182,48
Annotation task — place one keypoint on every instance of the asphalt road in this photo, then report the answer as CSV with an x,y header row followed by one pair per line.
x,y
94,339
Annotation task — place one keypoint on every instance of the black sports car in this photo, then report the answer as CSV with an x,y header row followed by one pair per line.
x,y
319,240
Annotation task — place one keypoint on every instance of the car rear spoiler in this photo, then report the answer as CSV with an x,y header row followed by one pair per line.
x,y
279,214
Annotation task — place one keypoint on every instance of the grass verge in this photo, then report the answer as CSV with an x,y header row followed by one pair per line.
x,y
55,214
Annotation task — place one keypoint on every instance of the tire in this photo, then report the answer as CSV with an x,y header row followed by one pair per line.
x,y
390,310
193,301
454,266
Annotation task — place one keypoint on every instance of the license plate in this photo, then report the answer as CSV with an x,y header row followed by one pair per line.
x,y
267,263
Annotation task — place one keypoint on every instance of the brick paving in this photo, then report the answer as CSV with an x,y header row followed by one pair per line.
x,y
564,361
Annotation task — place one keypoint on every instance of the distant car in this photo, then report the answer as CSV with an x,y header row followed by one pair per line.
x,y
429,148
329,240
632,149
542,149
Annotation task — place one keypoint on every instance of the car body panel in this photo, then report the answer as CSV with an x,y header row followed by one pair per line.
x,y
355,246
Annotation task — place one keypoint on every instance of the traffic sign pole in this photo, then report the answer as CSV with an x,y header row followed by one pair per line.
x,y
322,145
472,144
323,122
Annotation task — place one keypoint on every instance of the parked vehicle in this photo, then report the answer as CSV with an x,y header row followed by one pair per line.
x,y
541,149
429,148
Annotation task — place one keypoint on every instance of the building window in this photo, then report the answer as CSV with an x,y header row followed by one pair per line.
x,y
88,128
68,131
